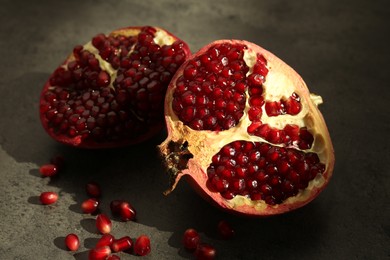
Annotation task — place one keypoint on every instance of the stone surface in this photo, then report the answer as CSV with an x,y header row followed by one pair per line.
x,y
339,47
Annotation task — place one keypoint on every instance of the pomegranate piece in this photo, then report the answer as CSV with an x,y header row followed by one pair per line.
x,y
103,224
205,252
48,197
191,239
105,240
110,91
122,244
93,189
100,253
142,245
48,170
72,242
243,126
89,206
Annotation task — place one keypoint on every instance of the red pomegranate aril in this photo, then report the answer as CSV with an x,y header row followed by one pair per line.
x,y
100,253
93,189
48,197
126,211
225,230
142,245
205,252
105,240
48,170
89,206
191,239
122,244
103,223
115,206
72,242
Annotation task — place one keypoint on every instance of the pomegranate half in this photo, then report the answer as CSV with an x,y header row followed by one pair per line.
x,y
110,92
243,126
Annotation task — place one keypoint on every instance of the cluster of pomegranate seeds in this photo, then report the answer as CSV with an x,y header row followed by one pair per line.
x,y
72,242
291,106
48,197
116,94
261,171
210,95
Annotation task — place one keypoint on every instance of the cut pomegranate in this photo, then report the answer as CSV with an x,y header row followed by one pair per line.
x,y
100,253
89,206
142,245
110,92
48,170
103,224
205,252
48,197
191,239
72,242
243,126
93,189
105,240
122,244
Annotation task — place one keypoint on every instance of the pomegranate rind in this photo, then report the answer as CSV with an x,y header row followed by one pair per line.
x,y
202,145
78,140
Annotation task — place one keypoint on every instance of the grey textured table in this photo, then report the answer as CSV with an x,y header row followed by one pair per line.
x,y
339,47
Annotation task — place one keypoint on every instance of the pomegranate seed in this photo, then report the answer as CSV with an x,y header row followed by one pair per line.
x,y
105,240
115,206
89,206
191,239
100,253
72,242
103,224
122,244
48,197
225,230
93,189
126,211
142,245
205,252
48,170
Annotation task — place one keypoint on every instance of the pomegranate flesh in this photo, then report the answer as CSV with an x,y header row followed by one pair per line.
x,y
110,92
246,131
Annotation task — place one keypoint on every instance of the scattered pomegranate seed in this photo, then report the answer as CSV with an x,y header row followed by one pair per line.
x,y
93,189
122,244
100,253
103,224
126,211
48,170
225,230
72,242
205,252
48,197
142,245
89,206
115,207
105,240
191,239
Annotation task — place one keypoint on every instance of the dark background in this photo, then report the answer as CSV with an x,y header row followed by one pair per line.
x,y
340,48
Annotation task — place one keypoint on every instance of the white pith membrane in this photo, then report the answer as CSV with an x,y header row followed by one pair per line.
x,y
161,38
280,83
